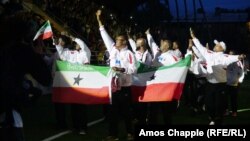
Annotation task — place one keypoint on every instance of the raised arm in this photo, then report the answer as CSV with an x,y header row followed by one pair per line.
x,y
108,41
60,49
132,44
153,46
198,54
84,47
203,50
131,41
228,59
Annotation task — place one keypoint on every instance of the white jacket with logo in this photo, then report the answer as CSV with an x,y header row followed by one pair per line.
x,y
145,57
122,59
161,59
73,56
217,63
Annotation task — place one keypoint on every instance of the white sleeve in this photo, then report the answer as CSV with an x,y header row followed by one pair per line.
x,y
199,69
189,52
132,44
84,48
241,72
197,53
61,52
228,59
153,46
108,41
131,69
81,43
203,51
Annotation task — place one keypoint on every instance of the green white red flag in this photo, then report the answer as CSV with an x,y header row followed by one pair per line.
x,y
160,84
88,84
44,32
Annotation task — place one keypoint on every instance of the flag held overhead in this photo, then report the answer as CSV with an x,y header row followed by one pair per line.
x,y
44,32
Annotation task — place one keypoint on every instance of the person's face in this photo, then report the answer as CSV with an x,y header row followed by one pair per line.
x,y
120,42
77,47
164,46
231,53
175,45
61,42
140,45
218,48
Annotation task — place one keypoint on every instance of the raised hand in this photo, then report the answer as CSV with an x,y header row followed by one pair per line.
x,y
147,31
190,44
207,46
242,56
72,37
98,13
128,30
191,33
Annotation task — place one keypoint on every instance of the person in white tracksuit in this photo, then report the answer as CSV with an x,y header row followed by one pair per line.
x,y
195,81
76,53
217,63
176,49
123,62
79,54
235,76
142,55
162,56
140,50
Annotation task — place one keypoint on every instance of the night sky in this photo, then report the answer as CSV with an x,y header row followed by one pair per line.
x,y
209,5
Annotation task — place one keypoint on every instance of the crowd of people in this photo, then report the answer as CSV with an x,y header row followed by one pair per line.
x,y
18,59
211,70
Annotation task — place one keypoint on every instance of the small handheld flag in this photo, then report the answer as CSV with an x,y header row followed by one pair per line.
x,y
44,32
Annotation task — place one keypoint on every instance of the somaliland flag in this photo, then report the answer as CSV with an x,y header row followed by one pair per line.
x,y
160,84
44,32
87,84
82,84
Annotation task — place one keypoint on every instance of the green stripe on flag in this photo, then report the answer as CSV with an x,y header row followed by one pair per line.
x,y
185,62
65,66
44,26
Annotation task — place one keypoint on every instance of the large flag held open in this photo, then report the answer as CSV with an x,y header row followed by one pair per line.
x,y
88,84
160,84
85,84
44,32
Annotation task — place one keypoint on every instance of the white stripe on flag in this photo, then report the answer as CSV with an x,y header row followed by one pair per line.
x,y
88,79
169,75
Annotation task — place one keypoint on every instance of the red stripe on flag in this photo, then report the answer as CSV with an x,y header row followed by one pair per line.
x,y
157,92
81,95
45,35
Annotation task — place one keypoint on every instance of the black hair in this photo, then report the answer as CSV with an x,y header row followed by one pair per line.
x,y
65,39
123,34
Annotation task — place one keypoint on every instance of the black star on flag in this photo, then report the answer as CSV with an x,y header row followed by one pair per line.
x,y
77,80
152,77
